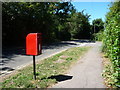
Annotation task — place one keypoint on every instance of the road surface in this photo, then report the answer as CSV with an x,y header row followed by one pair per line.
x,y
15,58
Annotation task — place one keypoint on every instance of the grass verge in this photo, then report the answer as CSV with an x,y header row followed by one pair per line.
x,y
53,66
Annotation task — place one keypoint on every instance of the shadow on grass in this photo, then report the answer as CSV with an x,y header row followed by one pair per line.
x,y
60,78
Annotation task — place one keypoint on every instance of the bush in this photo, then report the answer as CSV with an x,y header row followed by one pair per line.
x,y
99,36
111,42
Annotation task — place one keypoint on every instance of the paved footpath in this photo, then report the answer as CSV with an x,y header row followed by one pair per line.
x,y
87,72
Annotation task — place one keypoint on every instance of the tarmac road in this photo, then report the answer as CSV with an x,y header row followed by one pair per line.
x,y
15,58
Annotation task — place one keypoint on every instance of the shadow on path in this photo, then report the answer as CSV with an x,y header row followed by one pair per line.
x,y
60,78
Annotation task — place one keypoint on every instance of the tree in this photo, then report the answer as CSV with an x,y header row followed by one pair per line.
x,y
80,26
62,16
97,25
49,18
56,20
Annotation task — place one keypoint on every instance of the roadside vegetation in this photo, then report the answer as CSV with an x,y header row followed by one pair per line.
x,y
99,36
111,45
97,29
46,69
55,20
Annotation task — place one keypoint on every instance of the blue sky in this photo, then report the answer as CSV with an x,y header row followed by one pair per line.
x,y
95,9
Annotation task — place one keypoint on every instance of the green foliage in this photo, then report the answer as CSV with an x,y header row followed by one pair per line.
x,y
112,41
97,25
97,28
21,18
79,25
99,36
56,20
53,66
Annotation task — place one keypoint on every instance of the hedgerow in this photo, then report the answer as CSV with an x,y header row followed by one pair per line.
x,y
111,42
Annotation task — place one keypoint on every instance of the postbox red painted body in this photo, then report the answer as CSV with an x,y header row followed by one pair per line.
x,y
34,44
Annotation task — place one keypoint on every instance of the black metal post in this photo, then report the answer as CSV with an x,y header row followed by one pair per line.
x,y
34,71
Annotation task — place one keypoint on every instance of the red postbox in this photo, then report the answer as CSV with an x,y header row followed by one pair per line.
x,y
34,44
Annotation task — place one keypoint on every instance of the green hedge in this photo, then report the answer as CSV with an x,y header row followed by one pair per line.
x,y
111,41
